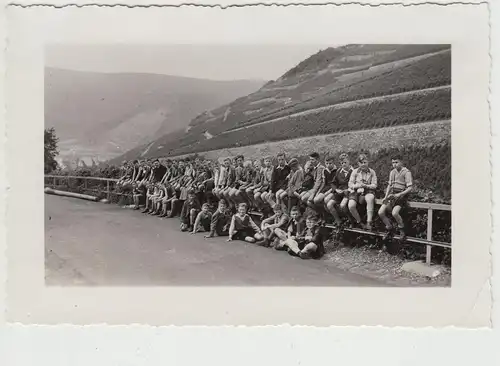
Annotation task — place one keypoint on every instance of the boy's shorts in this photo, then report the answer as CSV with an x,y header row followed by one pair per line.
x,y
401,201
356,196
241,235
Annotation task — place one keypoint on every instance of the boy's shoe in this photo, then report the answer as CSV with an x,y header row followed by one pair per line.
x,y
304,255
292,253
280,247
263,243
368,226
388,234
402,234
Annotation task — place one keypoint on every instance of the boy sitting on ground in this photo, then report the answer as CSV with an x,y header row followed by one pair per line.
x,y
396,197
203,219
243,227
295,226
190,209
309,243
269,226
221,220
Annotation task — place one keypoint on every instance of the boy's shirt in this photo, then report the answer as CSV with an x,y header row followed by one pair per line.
x,y
316,238
219,219
205,215
341,179
399,181
319,178
279,177
296,179
267,174
329,177
359,176
280,220
239,223
295,227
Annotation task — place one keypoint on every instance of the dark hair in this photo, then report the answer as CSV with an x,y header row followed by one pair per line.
x,y
312,217
295,209
280,154
240,157
397,157
329,158
314,155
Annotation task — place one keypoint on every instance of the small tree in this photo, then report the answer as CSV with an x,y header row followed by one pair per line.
x,y
50,150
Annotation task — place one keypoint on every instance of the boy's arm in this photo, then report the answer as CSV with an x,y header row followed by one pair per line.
x,y
184,209
373,182
197,223
254,225
352,182
283,221
318,182
409,185
231,227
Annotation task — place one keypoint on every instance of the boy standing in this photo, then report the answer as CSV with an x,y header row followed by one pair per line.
x,y
396,196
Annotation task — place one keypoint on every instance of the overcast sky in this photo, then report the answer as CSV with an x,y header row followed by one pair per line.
x,y
216,62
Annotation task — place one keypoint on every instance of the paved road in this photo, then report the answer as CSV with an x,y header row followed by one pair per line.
x,y
89,243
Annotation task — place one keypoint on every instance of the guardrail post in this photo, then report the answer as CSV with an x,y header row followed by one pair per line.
x,y
85,182
429,236
109,192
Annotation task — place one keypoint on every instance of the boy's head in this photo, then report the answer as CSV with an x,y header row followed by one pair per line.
x,y
295,213
267,161
344,160
329,162
277,208
227,162
257,163
311,221
397,162
363,161
222,205
242,208
239,160
191,194
314,159
293,164
205,207
281,159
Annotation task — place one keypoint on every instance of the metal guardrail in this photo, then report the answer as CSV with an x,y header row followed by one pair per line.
x,y
430,207
109,182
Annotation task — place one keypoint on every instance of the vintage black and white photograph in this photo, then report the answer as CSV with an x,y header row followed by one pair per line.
x,y
258,165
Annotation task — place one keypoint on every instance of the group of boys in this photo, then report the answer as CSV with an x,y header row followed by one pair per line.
x,y
217,198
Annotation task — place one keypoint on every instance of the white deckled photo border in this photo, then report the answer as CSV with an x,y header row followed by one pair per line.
x,y
466,304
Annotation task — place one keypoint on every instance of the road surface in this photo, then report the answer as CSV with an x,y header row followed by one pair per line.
x,y
96,244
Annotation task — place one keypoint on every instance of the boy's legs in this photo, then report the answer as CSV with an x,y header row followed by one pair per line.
x,y
308,251
192,217
370,207
354,211
331,205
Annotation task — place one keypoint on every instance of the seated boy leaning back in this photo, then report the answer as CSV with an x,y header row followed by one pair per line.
x,y
309,243
243,227
295,226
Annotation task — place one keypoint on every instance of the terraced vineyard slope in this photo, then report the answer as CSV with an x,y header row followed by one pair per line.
x,y
337,90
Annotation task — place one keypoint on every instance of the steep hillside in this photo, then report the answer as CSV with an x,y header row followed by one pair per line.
x,y
104,115
347,88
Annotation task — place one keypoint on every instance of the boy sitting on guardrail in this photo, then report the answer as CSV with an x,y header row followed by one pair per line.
x,y
396,197
362,185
